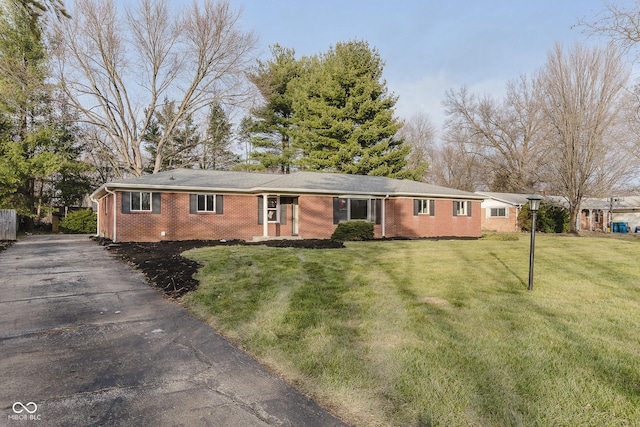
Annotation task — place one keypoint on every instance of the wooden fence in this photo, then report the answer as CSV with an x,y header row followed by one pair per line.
x,y
8,224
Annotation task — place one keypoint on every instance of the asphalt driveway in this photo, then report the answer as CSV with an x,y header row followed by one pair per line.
x,y
84,341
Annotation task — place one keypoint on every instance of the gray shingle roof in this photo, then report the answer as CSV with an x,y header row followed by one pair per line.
x,y
298,182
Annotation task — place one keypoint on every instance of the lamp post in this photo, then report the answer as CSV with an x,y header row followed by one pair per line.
x,y
534,204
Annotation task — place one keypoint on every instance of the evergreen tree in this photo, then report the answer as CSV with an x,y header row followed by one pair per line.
x,y
343,116
179,149
215,149
269,126
38,147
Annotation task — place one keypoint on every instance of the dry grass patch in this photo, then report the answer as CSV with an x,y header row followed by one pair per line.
x,y
439,302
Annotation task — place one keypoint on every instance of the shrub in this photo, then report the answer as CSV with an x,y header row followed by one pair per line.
x,y
353,230
549,219
83,221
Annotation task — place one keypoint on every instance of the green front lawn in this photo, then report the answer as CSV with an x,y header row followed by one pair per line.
x,y
440,332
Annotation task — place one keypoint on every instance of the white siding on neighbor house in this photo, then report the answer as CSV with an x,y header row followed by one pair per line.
x,y
489,203
506,223
632,218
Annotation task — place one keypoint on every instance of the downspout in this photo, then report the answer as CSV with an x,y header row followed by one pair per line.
x,y
384,217
97,202
114,212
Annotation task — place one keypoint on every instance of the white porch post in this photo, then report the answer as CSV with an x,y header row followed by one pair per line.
x,y
265,215
384,219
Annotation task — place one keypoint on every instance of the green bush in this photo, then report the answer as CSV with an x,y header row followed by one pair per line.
x,y
549,219
83,222
353,230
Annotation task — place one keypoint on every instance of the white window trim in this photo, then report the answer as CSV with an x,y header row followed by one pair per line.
x,y
213,208
424,206
139,207
461,207
506,213
368,219
348,198
277,209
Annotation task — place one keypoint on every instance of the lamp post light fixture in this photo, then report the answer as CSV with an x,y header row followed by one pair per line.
x,y
534,205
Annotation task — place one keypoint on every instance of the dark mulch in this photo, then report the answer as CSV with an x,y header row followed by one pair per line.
x,y
167,270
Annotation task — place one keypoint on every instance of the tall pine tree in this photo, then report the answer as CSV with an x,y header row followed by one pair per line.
x,y
215,149
343,117
179,149
269,125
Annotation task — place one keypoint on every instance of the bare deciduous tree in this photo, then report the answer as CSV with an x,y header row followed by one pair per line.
x,y
583,89
420,133
116,71
621,25
506,135
453,165
618,23
632,120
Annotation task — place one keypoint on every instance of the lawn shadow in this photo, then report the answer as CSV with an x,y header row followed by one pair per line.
x,y
506,267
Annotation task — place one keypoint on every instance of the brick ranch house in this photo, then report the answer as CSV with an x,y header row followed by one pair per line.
x,y
499,211
186,204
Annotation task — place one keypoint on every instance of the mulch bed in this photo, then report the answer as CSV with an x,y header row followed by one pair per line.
x,y
167,270
4,244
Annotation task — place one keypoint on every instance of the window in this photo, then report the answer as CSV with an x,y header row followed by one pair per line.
x,y
498,212
272,209
359,209
348,209
276,209
206,203
459,208
423,206
140,201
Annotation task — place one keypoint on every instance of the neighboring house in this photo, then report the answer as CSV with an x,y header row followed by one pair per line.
x,y
598,214
627,209
595,214
500,211
186,204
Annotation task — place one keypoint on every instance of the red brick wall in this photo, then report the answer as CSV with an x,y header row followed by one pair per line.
x,y
500,224
316,217
240,220
401,222
105,216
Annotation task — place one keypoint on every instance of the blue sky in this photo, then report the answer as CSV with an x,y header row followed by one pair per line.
x,y
428,46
